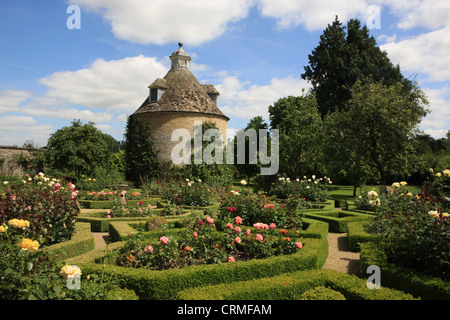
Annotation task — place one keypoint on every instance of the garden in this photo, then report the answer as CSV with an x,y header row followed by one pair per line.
x,y
244,244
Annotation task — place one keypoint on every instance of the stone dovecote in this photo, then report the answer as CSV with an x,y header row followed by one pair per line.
x,y
177,101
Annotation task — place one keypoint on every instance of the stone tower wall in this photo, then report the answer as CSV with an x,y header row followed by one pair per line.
x,y
162,124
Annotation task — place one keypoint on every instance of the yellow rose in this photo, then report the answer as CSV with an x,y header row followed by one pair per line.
x,y
433,214
438,174
372,195
403,183
71,271
3,229
28,244
444,215
19,223
396,185
409,194
447,172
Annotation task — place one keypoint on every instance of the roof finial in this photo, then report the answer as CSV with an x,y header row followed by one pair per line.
x,y
180,44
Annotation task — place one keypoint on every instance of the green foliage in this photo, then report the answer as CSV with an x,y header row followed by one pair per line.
x,y
300,127
141,161
375,128
51,208
80,148
322,293
212,173
415,231
341,59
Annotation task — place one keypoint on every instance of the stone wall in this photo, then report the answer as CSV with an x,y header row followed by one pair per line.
x,y
8,164
162,124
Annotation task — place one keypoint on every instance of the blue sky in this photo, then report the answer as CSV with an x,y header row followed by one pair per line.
x,y
253,51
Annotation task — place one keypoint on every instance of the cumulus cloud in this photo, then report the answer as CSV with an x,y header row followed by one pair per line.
x,y
108,85
314,15
15,130
429,14
10,100
244,100
427,54
162,21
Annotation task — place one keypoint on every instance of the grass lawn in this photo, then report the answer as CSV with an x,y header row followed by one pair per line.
x,y
343,192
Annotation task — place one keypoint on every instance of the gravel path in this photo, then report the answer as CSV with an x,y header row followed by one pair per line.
x,y
340,258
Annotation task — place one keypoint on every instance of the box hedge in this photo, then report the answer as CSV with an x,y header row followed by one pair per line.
x,y
82,241
292,286
357,235
407,280
151,284
337,220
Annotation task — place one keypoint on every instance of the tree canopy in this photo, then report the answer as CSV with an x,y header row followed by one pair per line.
x,y
344,56
80,148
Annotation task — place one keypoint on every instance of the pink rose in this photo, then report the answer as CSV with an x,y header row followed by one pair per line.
x,y
209,220
148,249
259,237
194,234
247,232
272,226
229,226
164,240
299,245
230,259
238,220
237,240
283,231
237,229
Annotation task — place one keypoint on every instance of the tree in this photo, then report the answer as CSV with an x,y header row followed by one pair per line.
x,y
341,59
300,127
79,148
141,160
376,128
247,169
208,171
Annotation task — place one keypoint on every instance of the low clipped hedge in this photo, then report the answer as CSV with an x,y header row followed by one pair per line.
x,y
151,284
108,204
407,280
357,235
82,241
337,220
322,293
292,286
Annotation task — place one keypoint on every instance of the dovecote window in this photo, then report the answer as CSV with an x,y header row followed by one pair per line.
x,y
153,94
213,97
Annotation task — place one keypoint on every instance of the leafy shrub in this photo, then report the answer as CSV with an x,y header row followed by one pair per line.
x,y
322,293
415,231
255,208
50,207
311,189
202,243
28,272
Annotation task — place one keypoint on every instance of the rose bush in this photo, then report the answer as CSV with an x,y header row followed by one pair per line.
x,y
415,230
49,205
203,243
29,273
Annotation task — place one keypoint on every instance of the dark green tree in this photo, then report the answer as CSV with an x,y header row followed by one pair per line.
x,y
346,55
79,148
247,169
300,127
141,162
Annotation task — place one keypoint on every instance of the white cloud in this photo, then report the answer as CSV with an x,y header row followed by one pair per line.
x,y
314,15
427,54
15,130
430,14
10,100
108,85
437,122
247,101
162,21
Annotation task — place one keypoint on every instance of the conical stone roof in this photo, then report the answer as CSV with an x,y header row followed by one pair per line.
x,y
182,93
